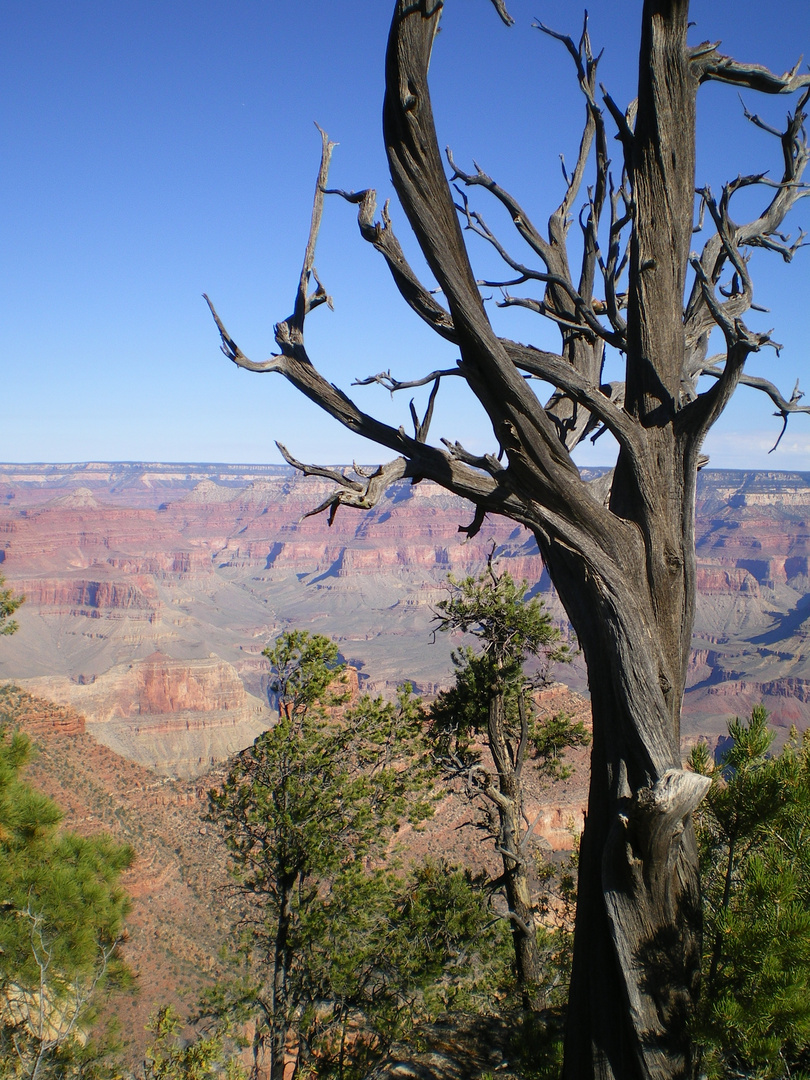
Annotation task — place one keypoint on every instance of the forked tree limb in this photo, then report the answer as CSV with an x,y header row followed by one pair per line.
x,y
785,407
582,305
521,220
422,460
764,231
381,236
362,494
594,131
554,369
521,426
386,379
710,65
304,302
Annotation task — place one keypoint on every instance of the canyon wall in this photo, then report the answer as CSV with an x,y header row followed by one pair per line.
x,y
143,579
178,717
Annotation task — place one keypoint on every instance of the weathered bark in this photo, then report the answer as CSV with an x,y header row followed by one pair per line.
x,y
279,1022
637,949
637,943
623,566
508,800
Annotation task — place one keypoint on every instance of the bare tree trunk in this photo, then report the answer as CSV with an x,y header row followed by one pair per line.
x,y
509,802
521,915
279,1025
637,943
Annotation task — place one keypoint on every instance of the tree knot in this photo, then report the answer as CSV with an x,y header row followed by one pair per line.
x,y
672,797
673,561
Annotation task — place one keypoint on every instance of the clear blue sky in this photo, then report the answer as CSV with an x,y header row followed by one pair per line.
x,y
157,149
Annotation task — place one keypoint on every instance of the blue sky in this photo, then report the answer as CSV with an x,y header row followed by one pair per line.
x,y
158,150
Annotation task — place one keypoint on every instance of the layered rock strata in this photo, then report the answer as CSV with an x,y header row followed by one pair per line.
x,y
121,560
178,717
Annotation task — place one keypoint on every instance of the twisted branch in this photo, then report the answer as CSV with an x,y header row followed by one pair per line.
x,y
710,65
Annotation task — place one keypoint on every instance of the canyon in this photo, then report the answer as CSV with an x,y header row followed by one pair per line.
x,y
184,908
152,589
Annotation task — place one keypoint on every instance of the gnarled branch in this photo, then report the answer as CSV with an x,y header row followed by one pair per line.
x,y
710,65
381,236
362,494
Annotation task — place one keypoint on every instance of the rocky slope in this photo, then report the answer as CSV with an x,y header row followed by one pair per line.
x,y
753,621
183,908
178,717
121,562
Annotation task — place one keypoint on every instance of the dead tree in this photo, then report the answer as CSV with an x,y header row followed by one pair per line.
x,y
620,553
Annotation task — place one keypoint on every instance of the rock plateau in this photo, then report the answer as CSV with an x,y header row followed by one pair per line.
x,y
145,578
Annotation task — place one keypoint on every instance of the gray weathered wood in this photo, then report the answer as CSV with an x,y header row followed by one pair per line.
x,y
622,559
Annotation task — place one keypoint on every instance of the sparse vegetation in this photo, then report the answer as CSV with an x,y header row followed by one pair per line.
x,y
491,702
171,1057
62,914
170,928
9,602
340,948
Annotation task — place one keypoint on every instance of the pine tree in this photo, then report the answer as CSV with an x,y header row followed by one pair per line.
x,y
62,913
309,812
753,830
491,700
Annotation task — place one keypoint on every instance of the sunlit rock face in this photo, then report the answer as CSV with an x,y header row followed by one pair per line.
x,y
753,618
178,717
206,564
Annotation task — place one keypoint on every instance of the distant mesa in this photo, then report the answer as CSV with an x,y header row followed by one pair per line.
x,y
126,602
177,717
207,492
80,498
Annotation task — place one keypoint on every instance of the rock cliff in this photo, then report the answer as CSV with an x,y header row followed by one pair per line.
x,y
121,560
175,931
178,717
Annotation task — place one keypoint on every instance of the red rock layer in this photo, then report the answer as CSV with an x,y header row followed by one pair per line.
x,y
121,560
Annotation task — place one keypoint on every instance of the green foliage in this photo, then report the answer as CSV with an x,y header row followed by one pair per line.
x,y
510,628
171,1058
495,609
309,814
9,602
305,669
385,950
550,737
315,793
490,703
753,830
62,912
